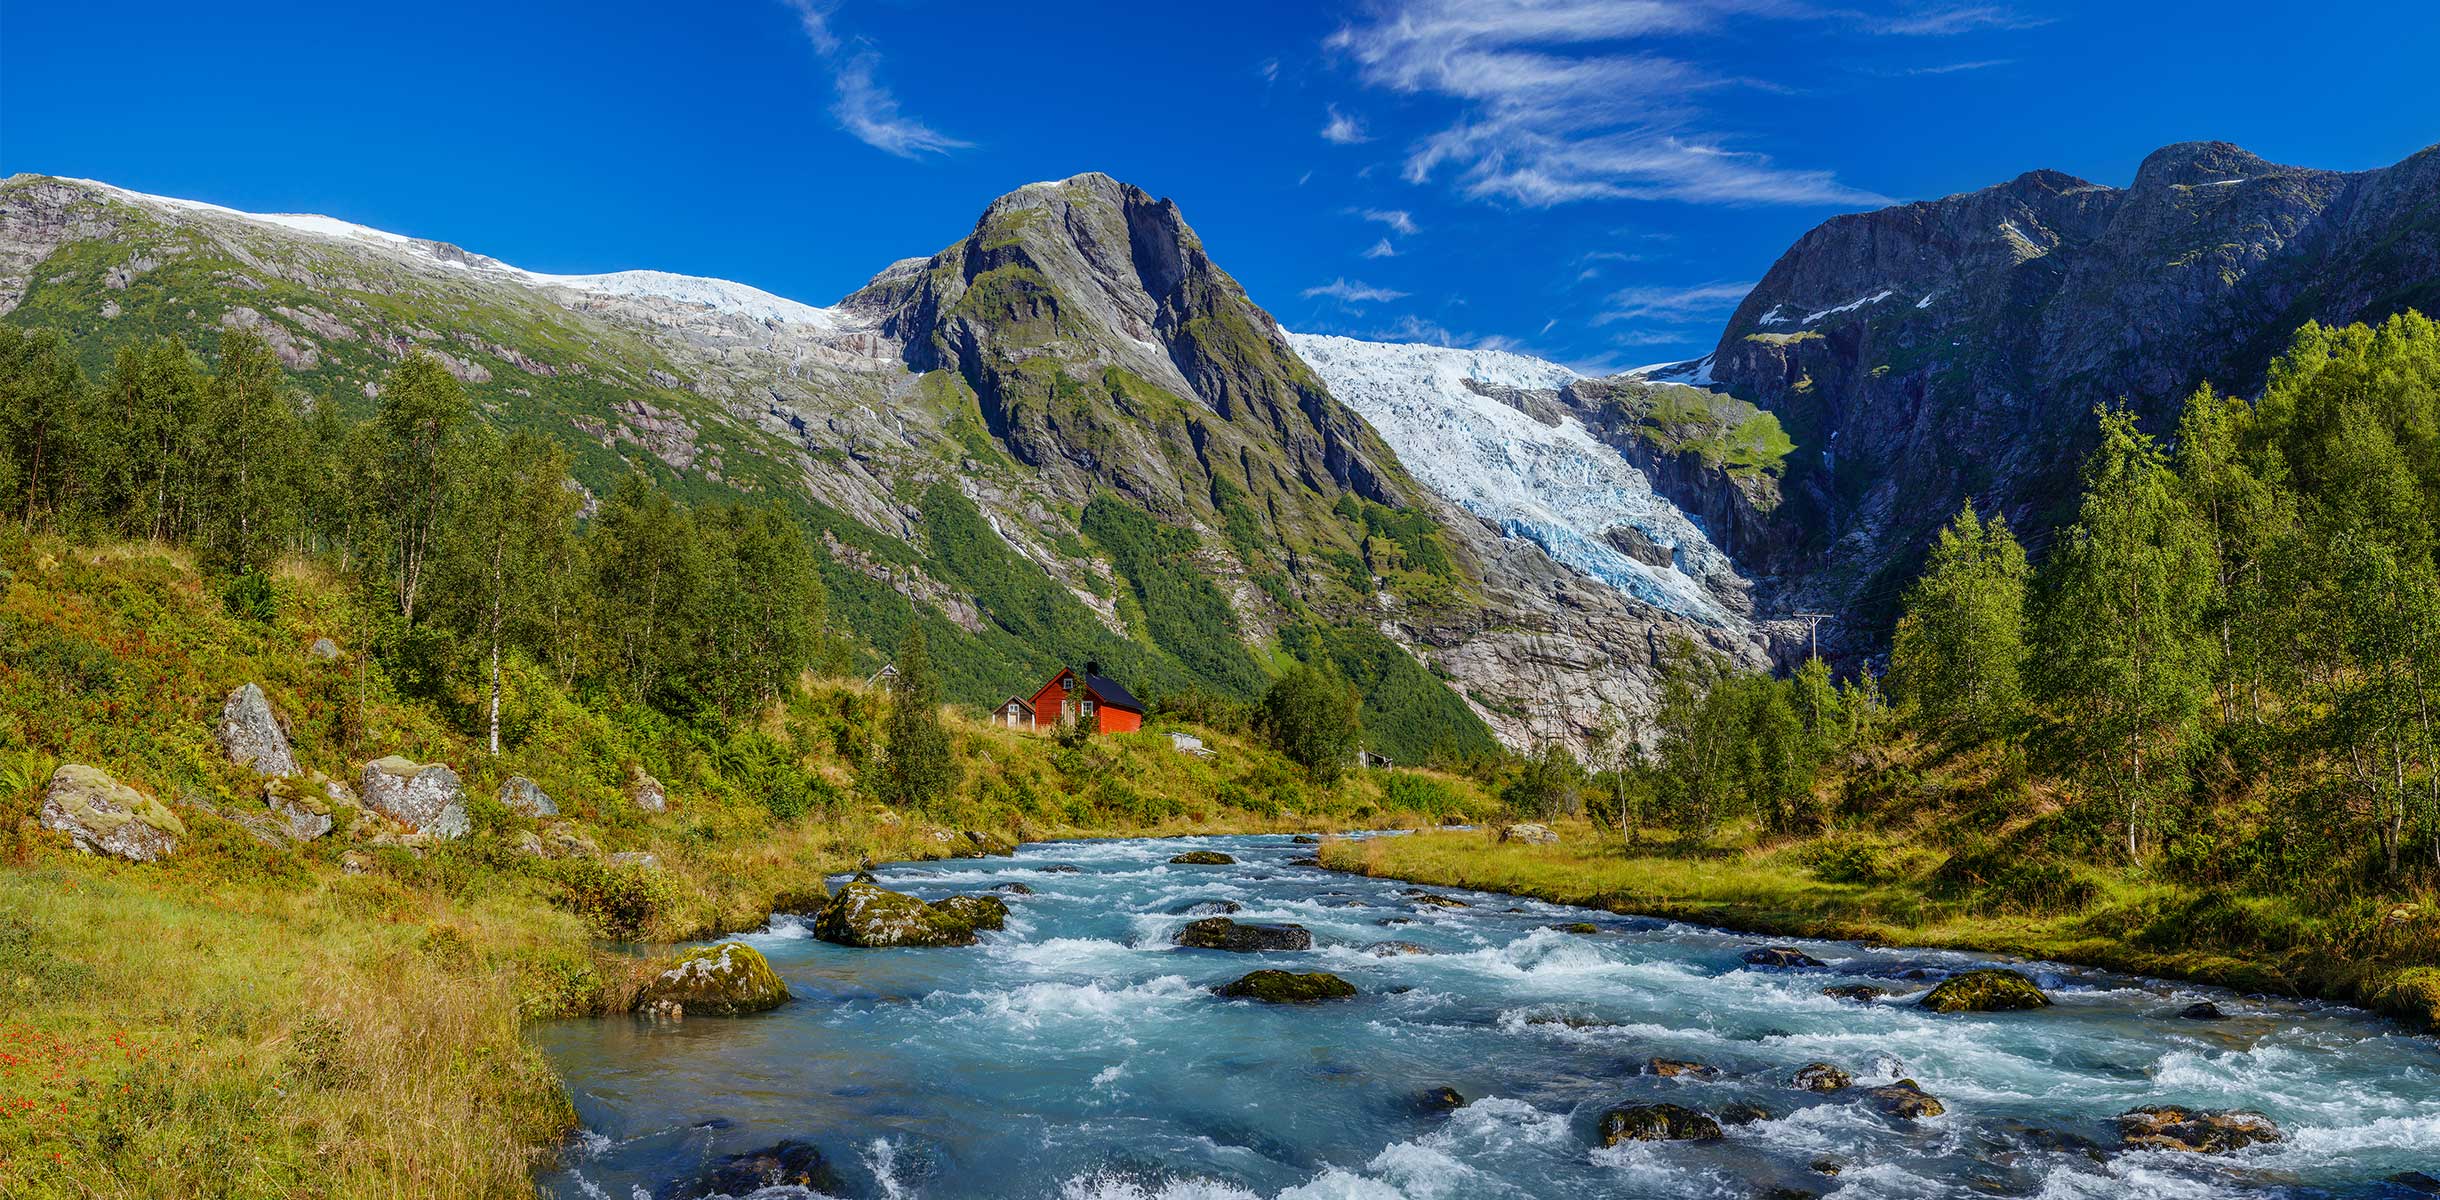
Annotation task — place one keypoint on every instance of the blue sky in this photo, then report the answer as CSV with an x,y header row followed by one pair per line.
x,y
1591,180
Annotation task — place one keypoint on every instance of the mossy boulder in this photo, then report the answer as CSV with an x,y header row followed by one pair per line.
x,y
1821,1077
1678,1068
1220,933
1581,927
727,980
1529,834
1394,949
1439,1099
1993,989
977,844
1657,1123
1435,899
868,915
2194,1130
1203,858
103,816
304,811
1861,993
807,900
1289,987
1905,1099
978,912
252,736
522,795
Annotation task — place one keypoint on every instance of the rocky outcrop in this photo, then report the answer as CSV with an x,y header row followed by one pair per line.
x,y
1203,858
103,816
1288,987
2194,1131
1821,1077
868,915
1993,989
1657,1123
1220,933
525,797
1930,350
252,736
728,980
424,797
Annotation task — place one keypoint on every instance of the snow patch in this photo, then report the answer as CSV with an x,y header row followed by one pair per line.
x,y
718,295
1850,306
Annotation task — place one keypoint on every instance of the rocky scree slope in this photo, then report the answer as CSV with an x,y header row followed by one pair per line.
x,y
1069,435
1931,351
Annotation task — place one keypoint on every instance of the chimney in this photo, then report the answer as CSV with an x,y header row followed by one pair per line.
x,y
1092,668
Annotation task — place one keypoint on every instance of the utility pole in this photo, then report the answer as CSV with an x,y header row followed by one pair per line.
x,y
1814,628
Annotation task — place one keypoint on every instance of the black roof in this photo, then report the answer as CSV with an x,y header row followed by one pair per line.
x,y
1112,694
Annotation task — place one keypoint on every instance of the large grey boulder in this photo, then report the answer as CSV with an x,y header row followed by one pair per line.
x,y
523,795
103,816
252,736
424,797
1538,835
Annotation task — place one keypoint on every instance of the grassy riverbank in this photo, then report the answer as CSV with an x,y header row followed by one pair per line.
x,y
249,1018
2386,958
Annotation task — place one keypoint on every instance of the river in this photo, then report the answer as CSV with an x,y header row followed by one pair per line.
x,y
1078,1055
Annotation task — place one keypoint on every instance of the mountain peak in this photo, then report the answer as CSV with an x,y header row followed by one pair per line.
x,y
2198,164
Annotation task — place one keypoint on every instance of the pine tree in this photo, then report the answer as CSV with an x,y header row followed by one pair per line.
x,y
1959,652
2126,651
917,764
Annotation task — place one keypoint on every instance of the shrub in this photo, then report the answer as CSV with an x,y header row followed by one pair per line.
x,y
619,902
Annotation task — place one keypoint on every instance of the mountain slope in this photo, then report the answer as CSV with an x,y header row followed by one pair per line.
x,y
1926,352
1068,435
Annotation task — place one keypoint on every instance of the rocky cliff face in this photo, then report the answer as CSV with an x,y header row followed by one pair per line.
x,y
1956,347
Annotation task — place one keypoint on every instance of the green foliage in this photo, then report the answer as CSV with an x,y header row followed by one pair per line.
x,y
1549,783
1959,651
1185,613
1311,716
619,903
1409,713
917,765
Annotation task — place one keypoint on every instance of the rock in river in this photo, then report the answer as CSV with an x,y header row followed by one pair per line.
x,y
1289,987
103,816
978,912
1905,1099
1220,933
1657,1123
2194,1130
727,980
1861,993
1993,989
1821,1077
1203,858
866,914
251,734
2202,1011
790,1164
1779,956
1671,1068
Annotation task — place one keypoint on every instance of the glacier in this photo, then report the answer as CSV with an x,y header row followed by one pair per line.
x,y
1558,486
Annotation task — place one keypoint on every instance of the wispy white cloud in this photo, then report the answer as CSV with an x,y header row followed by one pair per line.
x,y
1400,221
1556,102
1950,20
1343,129
1382,249
1353,292
864,106
1698,302
1955,67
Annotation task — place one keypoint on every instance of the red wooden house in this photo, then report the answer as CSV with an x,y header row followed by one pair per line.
x,y
1098,702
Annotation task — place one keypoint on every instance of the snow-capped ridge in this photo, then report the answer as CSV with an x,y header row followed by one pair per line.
x,y
718,295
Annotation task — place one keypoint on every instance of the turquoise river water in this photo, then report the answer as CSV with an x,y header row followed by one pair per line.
x,y
1079,1055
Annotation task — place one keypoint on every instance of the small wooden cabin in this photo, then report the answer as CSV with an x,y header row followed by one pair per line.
x,y
1016,712
1089,698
